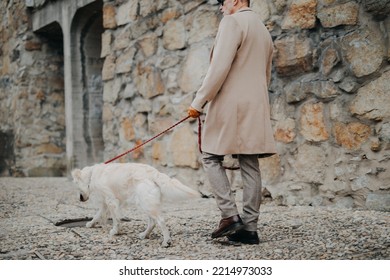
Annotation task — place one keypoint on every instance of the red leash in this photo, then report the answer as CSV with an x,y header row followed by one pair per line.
x,y
140,145
166,130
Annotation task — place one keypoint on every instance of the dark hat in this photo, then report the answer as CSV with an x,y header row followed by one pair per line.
x,y
221,1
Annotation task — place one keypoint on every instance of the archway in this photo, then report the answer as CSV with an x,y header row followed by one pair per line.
x,y
87,87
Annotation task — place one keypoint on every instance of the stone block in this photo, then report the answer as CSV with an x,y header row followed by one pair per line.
x,y
333,188
106,44
48,148
344,202
174,37
351,136
203,25
159,153
311,164
384,134
111,91
285,131
294,92
343,14
372,100
329,59
162,106
379,8
375,144
378,202
159,124
127,132
298,91
364,51
109,16
387,31
122,39
32,45
191,5
312,122
301,14
148,7
129,91
184,147
127,13
148,81
46,172
107,113
270,169
30,3
125,61
109,65
325,90
349,85
141,105
294,55
170,14
262,8
168,61
148,44
194,68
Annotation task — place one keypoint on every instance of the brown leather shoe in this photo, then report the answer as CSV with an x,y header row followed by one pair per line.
x,y
228,226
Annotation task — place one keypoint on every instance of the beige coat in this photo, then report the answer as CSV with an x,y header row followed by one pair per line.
x,y
236,88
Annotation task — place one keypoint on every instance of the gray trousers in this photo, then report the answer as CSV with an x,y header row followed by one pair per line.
x,y
251,178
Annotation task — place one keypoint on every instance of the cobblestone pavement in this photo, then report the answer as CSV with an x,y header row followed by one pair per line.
x,y
32,208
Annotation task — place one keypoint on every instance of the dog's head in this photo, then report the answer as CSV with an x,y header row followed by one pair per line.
x,y
82,178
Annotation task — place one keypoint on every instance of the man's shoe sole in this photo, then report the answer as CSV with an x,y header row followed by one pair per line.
x,y
244,239
250,242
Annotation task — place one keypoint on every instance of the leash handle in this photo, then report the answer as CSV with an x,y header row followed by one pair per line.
x,y
140,145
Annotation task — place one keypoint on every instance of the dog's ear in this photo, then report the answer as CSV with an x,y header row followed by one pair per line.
x,y
76,174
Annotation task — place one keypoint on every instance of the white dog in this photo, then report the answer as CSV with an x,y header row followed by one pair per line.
x,y
116,184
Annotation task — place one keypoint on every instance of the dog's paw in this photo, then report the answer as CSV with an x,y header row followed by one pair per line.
x,y
114,232
143,235
90,224
166,244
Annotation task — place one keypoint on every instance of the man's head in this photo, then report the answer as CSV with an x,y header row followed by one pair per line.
x,y
248,2
229,7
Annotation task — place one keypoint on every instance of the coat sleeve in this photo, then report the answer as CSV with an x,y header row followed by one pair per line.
x,y
228,41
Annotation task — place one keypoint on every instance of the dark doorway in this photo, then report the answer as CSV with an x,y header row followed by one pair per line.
x,y
7,157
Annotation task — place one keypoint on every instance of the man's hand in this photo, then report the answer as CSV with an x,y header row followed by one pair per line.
x,y
193,113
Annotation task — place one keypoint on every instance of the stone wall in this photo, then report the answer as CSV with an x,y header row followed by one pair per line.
x,y
31,98
329,93
331,101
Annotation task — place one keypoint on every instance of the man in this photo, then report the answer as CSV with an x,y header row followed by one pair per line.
x,y
238,116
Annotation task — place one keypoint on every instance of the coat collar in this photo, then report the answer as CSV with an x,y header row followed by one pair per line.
x,y
246,9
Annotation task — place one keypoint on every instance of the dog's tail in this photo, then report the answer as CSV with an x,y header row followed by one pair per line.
x,y
173,190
